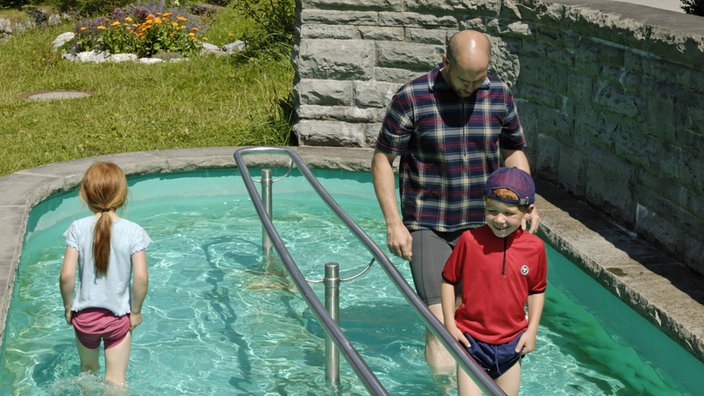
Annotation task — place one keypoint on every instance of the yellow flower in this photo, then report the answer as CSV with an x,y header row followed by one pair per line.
x,y
174,25
157,20
230,35
116,23
101,27
128,19
195,29
83,28
205,39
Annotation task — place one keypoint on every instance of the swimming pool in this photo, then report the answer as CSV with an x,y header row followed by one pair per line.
x,y
215,323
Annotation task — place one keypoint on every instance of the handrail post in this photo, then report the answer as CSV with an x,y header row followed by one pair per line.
x,y
266,200
332,304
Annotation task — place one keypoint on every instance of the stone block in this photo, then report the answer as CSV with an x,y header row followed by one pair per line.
x,y
382,33
572,170
342,18
379,5
410,19
610,185
327,59
373,94
323,31
426,36
324,92
329,133
410,56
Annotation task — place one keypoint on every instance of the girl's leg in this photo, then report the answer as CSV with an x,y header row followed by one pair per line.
x,y
510,381
116,359
89,357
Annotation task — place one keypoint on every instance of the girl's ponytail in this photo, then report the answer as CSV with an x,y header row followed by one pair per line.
x,y
103,188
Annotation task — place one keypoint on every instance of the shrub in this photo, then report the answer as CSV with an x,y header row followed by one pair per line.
x,y
694,7
140,30
275,34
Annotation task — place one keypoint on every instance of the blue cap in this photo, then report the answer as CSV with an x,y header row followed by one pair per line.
x,y
514,179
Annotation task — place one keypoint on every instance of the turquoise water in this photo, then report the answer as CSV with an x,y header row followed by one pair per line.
x,y
219,321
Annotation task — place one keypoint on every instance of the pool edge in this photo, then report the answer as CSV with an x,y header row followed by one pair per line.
x,y
659,288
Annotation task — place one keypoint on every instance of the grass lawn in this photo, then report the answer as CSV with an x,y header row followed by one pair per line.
x,y
206,101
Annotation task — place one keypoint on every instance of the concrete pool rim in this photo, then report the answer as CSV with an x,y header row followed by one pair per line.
x,y
658,287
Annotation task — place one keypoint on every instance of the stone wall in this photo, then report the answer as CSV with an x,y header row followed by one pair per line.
x,y
611,94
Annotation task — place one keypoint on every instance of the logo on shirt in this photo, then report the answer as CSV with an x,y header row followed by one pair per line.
x,y
524,269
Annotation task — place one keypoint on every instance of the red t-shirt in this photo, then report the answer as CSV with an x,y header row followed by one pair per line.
x,y
497,275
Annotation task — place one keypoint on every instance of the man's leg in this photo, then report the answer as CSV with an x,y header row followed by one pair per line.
x,y
437,356
430,252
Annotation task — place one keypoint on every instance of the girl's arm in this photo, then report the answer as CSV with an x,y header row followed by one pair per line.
x,y
67,280
140,285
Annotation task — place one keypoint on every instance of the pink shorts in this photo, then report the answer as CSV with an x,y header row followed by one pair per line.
x,y
95,324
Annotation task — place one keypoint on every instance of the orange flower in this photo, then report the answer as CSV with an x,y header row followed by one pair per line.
x,y
83,28
182,19
168,14
157,20
195,29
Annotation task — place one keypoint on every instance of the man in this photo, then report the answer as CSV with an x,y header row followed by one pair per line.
x,y
451,128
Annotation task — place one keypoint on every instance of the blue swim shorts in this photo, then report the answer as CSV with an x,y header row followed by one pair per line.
x,y
494,359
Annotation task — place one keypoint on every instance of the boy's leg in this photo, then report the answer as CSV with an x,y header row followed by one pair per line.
x,y
89,357
465,385
510,381
116,359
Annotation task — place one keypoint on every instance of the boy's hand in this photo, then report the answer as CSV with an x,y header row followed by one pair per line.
x,y
459,336
69,315
526,343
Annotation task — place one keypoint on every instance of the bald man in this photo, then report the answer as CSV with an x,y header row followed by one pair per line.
x,y
451,128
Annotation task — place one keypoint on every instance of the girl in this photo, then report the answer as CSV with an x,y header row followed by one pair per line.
x,y
106,250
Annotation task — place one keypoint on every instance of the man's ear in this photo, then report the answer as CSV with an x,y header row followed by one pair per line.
x,y
445,61
529,210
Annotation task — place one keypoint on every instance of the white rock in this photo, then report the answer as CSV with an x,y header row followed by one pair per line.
x,y
62,39
117,58
234,47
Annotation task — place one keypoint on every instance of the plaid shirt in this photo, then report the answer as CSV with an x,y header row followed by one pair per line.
x,y
448,147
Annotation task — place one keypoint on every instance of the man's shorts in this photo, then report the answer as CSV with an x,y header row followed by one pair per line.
x,y
494,359
430,252
95,324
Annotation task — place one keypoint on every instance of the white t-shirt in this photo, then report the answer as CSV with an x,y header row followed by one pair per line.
x,y
111,291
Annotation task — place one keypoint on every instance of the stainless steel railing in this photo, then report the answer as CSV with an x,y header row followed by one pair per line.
x,y
360,367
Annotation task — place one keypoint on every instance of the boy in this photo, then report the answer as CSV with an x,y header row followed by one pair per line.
x,y
500,267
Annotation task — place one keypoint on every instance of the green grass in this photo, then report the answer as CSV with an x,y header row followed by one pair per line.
x,y
206,101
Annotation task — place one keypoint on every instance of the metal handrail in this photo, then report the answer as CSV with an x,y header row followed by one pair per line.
x,y
480,378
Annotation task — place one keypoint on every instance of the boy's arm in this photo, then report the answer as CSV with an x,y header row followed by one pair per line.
x,y
535,310
140,284
67,280
447,295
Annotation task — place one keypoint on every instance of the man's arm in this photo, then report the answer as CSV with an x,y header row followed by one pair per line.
x,y
398,239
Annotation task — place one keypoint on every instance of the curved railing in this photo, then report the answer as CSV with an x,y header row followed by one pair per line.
x,y
365,374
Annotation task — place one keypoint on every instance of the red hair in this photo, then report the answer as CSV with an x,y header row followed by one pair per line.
x,y
103,188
